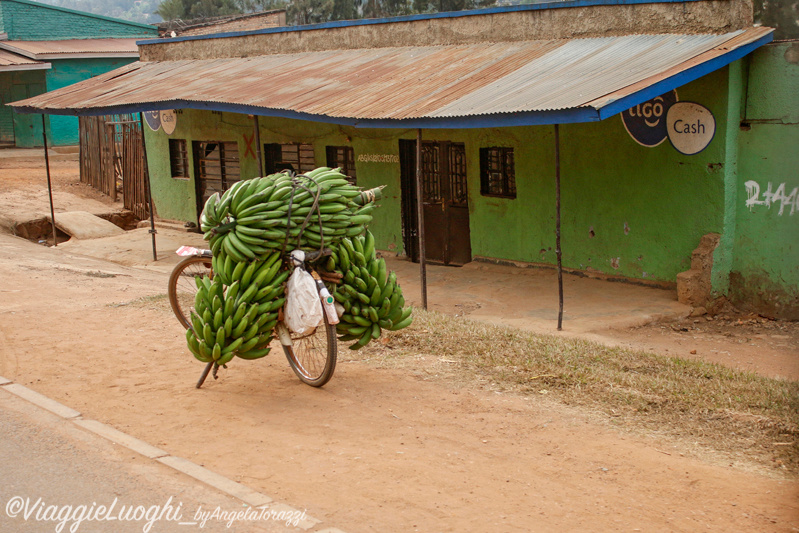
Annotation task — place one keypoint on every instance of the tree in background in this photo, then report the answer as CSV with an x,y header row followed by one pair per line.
x,y
171,9
255,6
196,9
344,10
300,12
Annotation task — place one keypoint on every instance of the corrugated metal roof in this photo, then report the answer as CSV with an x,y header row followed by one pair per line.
x,y
12,61
73,47
400,86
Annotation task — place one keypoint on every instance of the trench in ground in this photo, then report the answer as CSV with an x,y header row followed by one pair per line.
x,y
40,230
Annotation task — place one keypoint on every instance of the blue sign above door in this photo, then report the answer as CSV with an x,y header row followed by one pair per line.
x,y
153,119
646,122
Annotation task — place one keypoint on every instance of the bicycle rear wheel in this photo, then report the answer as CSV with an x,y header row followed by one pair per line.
x,y
313,356
182,286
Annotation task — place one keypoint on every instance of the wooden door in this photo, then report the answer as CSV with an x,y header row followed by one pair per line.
x,y
444,202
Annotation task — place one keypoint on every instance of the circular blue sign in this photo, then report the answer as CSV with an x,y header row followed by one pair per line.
x,y
646,122
153,119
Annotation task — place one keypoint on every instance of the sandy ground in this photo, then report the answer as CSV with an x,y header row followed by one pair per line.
x,y
376,449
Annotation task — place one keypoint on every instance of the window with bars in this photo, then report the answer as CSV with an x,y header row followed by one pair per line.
x,y
497,172
216,164
342,157
298,157
178,158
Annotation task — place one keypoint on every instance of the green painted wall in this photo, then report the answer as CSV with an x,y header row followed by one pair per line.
x,y
765,272
31,21
627,210
64,129
175,199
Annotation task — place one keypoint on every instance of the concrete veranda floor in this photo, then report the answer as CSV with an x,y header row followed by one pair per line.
x,y
526,298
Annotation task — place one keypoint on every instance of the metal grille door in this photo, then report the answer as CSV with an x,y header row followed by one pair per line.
x,y
445,202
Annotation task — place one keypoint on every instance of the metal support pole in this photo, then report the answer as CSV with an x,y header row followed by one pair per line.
x,y
49,182
258,146
111,132
420,218
558,252
147,185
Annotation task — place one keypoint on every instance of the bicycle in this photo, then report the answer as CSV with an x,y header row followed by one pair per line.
x,y
312,357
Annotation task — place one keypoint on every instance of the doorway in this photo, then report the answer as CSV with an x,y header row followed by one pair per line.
x,y
444,202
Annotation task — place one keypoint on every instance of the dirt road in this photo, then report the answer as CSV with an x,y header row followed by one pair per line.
x,y
374,450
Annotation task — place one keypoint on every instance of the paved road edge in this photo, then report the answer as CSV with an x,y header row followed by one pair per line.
x,y
232,488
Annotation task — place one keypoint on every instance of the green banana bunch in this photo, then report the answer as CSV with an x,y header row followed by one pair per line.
x,y
370,295
257,216
236,311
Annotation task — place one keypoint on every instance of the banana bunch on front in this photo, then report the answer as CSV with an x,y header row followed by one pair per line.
x,y
371,298
256,216
237,318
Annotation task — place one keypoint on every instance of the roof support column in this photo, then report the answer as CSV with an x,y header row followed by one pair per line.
x,y
257,127
147,185
420,219
49,182
558,251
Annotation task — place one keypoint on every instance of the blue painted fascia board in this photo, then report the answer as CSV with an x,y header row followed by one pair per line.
x,y
409,18
530,118
85,14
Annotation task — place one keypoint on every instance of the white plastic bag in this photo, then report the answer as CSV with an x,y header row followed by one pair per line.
x,y
303,307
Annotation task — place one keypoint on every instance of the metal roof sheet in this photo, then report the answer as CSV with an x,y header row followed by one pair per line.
x,y
73,47
530,82
12,61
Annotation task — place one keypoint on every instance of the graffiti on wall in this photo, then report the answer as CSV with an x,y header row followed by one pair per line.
x,y
378,158
787,202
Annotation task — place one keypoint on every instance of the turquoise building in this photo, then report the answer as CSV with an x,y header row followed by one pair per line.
x,y
43,48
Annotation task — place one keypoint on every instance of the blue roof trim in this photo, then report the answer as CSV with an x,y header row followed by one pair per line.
x,y
681,78
554,4
531,118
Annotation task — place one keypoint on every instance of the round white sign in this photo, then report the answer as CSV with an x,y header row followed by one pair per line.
x,y
169,120
690,127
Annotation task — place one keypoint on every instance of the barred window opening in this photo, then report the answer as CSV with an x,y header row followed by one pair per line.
x,y
497,172
178,159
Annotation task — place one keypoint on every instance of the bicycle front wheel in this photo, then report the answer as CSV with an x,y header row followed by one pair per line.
x,y
182,286
313,356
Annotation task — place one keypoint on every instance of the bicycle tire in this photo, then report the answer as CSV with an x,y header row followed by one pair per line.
x,y
182,287
313,357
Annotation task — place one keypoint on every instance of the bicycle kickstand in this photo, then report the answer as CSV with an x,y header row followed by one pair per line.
x,y
205,374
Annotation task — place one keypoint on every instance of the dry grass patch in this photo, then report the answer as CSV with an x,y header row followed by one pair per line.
x,y
737,413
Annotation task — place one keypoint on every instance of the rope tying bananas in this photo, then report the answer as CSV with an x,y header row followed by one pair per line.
x,y
251,226
256,216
